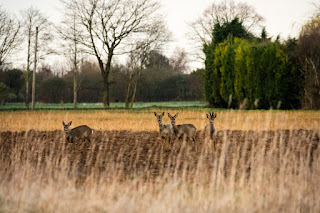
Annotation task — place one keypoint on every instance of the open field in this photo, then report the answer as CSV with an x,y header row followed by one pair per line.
x,y
144,120
264,161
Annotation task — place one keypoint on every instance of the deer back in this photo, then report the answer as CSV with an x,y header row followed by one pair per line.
x,y
186,129
166,130
81,131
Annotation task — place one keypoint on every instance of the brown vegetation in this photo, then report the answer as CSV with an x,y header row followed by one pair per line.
x,y
135,171
145,120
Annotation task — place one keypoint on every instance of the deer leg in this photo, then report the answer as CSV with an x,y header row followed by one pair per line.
x,y
185,137
179,136
182,136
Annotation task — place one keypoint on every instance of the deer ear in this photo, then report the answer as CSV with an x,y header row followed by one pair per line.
x,y
69,124
169,115
176,115
207,115
63,123
155,114
215,115
162,114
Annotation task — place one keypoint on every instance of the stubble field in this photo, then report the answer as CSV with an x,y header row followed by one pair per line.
x,y
264,161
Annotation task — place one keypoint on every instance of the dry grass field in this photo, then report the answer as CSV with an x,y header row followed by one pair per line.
x,y
264,161
145,120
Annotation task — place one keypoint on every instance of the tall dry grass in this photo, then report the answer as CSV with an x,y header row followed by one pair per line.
x,y
249,171
146,121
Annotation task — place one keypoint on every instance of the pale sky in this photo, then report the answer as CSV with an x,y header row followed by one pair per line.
x,y
282,17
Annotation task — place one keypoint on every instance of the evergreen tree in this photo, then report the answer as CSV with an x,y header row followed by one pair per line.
x,y
215,94
262,72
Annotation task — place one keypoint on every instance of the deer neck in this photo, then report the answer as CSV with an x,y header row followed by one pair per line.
x,y
161,126
174,127
211,128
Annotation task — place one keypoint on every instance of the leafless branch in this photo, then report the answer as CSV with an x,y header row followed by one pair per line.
x,y
9,36
219,13
109,26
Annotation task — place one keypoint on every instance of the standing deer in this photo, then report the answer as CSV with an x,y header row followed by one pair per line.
x,y
183,130
209,129
165,130
80,132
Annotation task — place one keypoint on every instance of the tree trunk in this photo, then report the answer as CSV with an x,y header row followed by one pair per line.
x,y
27,89
75,84
28,70
105,88
34,71
133,94
75,80
105,74
135,88
129,96
75,67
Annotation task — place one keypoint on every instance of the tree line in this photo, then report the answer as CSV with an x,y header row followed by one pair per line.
x,y
97,28
160,80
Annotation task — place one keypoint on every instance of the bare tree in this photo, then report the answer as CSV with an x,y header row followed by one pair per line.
x,y
33,18
138,58
34,69
308,52
9,36
179,61
139,55
110,26
219,13
70,32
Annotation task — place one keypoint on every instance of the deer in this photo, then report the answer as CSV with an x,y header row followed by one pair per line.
x,y
165,130
209,129
183,130
80,132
